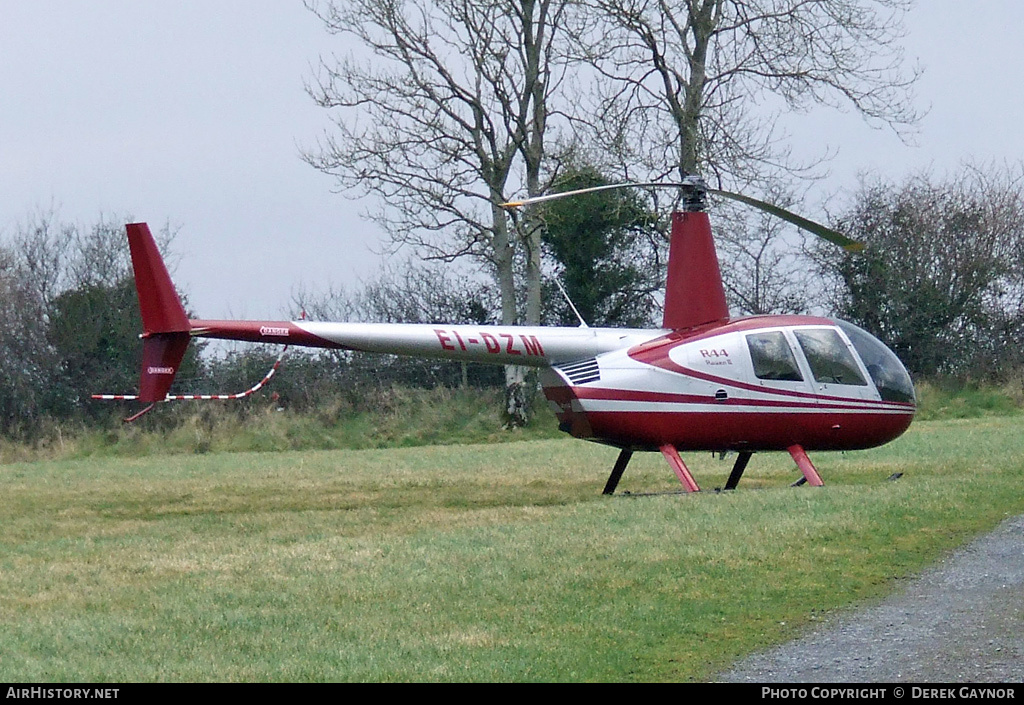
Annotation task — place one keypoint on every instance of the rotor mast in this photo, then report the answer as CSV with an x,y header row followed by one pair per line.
x,y
694,293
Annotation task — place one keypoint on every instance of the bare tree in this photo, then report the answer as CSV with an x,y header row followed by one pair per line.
x,y
29,367
434,113
680,79
413,292
54,255
40,249
697,86
68,317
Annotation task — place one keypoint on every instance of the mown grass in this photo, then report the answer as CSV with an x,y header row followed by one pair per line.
x,y
466,563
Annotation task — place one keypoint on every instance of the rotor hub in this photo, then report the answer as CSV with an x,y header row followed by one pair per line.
x,y
695,193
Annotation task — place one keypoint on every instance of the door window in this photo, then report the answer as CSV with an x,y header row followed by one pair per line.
x,y
830,360
772,357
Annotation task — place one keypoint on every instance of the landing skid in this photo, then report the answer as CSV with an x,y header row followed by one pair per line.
x,y
810,473
666,493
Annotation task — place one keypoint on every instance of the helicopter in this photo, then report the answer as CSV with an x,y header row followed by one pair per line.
x,y
704,381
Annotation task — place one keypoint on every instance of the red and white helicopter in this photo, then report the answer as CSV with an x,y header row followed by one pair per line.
x,y
703,381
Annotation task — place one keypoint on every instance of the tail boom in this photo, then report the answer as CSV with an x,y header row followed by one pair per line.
x,y
167,330
280,332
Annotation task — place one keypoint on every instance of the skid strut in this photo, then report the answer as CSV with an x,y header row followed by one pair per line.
x,y
737,470
811,475
620,467
679,467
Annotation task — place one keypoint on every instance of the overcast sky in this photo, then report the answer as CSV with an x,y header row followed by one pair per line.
x,y
194,112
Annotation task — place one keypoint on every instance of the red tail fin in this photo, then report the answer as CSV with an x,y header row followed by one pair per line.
x,y
162,354
164,321
694,294
161,308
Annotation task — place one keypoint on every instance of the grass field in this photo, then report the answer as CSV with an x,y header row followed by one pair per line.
x,y
466,563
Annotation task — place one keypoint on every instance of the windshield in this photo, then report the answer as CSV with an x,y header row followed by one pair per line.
x,y
886,370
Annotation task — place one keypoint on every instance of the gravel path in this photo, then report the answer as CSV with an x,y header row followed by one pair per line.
x,y
961,621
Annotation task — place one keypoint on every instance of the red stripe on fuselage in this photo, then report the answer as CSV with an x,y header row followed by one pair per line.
x,y
727,430
806,401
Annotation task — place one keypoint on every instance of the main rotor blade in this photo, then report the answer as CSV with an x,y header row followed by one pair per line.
x,y
779,212
797,220
581,191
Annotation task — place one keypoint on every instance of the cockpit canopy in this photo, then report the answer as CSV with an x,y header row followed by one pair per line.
x,y
886,370
831,360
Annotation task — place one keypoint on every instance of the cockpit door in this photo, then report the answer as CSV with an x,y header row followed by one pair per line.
x,y
774,365
833,364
